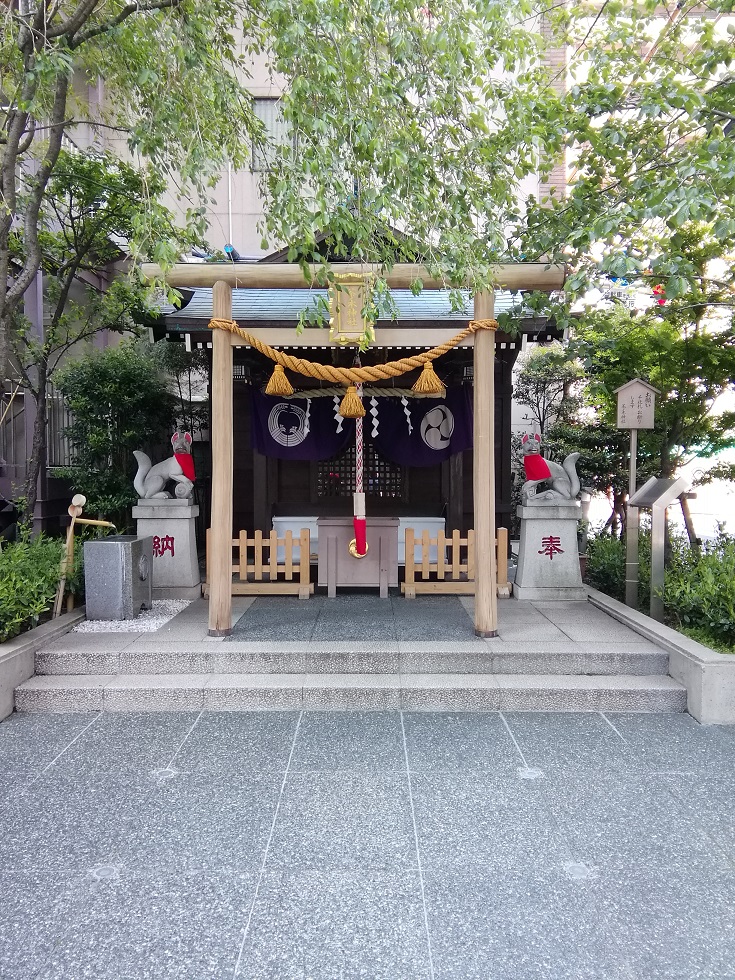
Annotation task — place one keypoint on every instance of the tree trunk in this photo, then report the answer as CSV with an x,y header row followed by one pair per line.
x,y
691,533
38,451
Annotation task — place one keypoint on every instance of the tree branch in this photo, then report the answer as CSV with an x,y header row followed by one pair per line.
x,y
68,28
127,11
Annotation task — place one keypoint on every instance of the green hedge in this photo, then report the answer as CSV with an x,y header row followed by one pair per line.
x,y
606,567
29,577
699,589
699,592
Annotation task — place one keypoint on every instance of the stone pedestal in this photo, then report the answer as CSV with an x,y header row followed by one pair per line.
x,y
548,559
171,524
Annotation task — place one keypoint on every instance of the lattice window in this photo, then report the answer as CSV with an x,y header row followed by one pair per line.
x,y
336,477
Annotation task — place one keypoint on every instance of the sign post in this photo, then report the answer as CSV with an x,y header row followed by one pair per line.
x,y
636,406
657,493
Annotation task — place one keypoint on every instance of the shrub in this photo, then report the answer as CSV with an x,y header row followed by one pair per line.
x,y
699,590
606,565
119,402
29,577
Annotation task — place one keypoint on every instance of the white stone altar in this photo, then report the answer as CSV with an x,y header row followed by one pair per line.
x,y
548,559
419,524
172,525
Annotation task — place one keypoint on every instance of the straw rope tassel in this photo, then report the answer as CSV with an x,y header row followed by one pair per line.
x,y
278,383
351,406
429,382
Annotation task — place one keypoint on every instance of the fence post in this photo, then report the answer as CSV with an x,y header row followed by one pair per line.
x,y
502,558
304,556
410,554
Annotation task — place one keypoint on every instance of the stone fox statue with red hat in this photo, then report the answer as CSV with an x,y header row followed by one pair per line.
x,y
563,478
150,481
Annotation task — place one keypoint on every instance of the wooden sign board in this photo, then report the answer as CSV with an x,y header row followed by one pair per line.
x,y
636,405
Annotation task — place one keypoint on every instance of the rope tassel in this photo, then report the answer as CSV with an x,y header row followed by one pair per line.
x,y
278,383
429,382
351,406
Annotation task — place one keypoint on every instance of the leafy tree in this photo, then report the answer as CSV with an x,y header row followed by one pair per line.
x,y
94,203
154,57
691,362
545,384
685,352
648,119
188,374
119,402
426,118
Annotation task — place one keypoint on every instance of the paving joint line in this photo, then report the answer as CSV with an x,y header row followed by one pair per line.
x,y
246,930
418,852
196,722
507,728
556,626
618,733
65,749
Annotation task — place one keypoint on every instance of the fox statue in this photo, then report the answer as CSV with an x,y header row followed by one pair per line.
x,y
150,481
563,478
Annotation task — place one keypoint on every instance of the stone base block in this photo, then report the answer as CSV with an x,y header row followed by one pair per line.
x,y
172,525
548,562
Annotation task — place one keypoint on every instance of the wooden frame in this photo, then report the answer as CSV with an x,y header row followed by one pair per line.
x,y
255,574
455,576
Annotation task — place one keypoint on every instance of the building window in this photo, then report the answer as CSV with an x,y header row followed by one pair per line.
x,y
270,113
381,478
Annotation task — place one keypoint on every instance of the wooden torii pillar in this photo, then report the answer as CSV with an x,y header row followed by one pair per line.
x,y
222,278
483,471
220,557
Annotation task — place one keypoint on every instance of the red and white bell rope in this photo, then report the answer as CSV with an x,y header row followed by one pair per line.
x,y
359,521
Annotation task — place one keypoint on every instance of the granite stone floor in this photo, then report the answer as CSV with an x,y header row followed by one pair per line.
x,y
379,846
356,616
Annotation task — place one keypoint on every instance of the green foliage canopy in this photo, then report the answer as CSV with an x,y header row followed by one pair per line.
x,y
421,117
648,121
93,206
691,363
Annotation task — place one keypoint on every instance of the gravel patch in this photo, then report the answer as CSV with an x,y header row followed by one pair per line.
x,y
148,621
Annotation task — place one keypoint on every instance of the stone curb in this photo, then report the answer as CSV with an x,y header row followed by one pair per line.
x,y
708,676
17,655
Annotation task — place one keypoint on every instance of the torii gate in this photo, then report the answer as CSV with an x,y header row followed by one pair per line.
x,y
223,277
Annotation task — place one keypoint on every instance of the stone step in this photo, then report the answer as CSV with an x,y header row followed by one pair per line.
x,y
349,692
313,658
